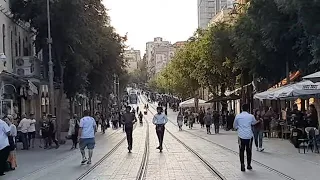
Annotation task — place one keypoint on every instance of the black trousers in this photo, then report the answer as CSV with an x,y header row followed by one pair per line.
x,y
208,128
245,145
216,128
4,153
160,133
52,138
128,131
24,139
74,138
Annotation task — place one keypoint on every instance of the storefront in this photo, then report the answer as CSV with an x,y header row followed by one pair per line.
x,y
10,85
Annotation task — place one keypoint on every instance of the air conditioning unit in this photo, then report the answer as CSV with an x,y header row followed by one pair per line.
x,y
27,66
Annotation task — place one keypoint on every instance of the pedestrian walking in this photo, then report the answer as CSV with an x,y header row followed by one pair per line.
x,y
74,130
41,139
103,123
12,158
208,119
128,119
4,146
243,124
86,136
160,120
180,120
216,122
23,127
201,118
191,120
52,131
44,131
32,130
258,131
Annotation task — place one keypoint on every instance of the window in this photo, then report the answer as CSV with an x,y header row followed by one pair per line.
x,y
16,48
4,38
11,45
19,46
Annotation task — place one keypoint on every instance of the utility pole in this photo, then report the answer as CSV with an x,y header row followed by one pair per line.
x,y
118,91
50,63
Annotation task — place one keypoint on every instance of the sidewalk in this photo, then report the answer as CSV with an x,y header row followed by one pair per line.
x,y
35,160
279,154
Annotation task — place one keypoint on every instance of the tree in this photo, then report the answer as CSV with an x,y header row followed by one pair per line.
x,y
86,50
216,58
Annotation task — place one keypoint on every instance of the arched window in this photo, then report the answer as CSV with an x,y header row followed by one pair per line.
x,y
4,38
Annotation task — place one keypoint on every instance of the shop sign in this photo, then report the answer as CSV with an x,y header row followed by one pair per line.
x,y
310,87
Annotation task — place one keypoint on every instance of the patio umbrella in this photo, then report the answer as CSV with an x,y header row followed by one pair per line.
x,y
302,89
315,77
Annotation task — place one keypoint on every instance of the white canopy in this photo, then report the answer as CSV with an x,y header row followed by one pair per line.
x,y
301,89
269,94
191,103
313,77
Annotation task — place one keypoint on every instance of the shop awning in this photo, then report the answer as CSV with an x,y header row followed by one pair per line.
x,y
302,89
315,77
33,88
191,103
7,76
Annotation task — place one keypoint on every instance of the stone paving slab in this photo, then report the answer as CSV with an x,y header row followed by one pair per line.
x,y
37,158
175,162
279,154
121,164
225,162
70,167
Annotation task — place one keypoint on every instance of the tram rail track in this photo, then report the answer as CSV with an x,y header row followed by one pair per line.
x,y
145,158
106,156
60,160
283,175
207,165
144,162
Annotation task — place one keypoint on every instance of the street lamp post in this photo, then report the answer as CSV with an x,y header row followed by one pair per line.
x,y
50,63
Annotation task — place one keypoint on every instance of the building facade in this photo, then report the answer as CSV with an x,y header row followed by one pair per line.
x,y
19,66
158,55
207,9
223,16
132,57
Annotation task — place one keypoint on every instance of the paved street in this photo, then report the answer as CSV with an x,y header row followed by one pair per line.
x,y
175,162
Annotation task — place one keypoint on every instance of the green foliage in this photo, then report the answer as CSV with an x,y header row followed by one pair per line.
x,y
258,43
85,46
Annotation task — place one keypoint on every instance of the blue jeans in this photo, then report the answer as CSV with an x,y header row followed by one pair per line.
x,y
258,136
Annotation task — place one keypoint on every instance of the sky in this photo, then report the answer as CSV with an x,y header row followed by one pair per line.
x,y
143,20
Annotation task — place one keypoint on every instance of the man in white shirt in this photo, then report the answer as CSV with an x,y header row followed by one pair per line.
x,y
4,145
86,136
160,120
243,124
24,125
32,130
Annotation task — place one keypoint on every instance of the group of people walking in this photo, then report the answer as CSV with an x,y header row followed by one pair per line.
x,y
14,130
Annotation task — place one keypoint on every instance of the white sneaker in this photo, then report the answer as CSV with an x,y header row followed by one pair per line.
x,y
258,149
261,149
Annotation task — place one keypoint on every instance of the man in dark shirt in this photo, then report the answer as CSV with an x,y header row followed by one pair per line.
x,y
128,119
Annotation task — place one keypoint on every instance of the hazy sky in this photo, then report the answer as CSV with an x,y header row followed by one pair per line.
x,y
174,20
